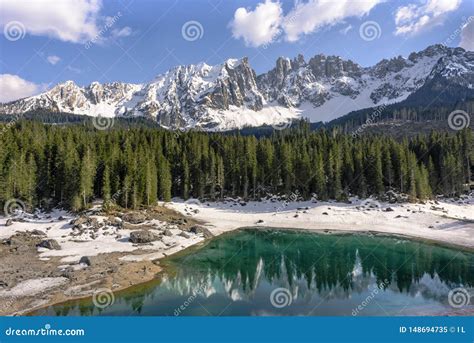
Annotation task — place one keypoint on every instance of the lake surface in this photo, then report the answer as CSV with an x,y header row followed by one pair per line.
x,y
278,272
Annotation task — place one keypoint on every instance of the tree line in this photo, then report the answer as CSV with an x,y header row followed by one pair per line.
x,y
70,166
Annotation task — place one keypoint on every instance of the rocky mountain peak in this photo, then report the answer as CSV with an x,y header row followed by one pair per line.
x,y
230,94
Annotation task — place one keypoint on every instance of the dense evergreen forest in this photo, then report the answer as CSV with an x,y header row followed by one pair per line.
x,y
70,166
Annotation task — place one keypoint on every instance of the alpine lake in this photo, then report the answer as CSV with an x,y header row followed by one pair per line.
x,y
270,272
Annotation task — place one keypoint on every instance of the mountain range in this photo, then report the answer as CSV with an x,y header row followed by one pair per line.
x,y
231,95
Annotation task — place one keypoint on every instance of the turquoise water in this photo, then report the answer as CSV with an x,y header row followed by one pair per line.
x,y
276,272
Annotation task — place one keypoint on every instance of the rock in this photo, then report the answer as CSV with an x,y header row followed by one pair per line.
x,y
134,218
9,222
79,221
259,221
201,229
389,209
185,235
51,244
86,260
143,236
116,221
61,218
296,216
94,223
38,233
3,284
68,273
325,214
168,233
23,240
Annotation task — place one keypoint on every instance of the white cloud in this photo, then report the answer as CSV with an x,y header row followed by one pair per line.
x,y
413,18
53,59
123,32
67,20
311,16
267,21
259,26
13,87
467,35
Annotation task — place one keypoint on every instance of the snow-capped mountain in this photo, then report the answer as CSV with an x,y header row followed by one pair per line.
x,y
230,95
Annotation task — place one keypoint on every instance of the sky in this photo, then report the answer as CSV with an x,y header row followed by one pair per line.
x,y
46,42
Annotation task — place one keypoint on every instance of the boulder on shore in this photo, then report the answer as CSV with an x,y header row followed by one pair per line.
x,y
201,229
37,232
134,218
143,236
51,244
85,260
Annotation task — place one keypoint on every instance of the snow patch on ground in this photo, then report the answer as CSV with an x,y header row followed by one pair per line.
x,y
33,286
444,221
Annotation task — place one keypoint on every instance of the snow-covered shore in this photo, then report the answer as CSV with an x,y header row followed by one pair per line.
x,y
37,276
46,258
446,222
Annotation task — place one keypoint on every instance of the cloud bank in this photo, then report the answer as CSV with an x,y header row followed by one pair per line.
x,y
266,22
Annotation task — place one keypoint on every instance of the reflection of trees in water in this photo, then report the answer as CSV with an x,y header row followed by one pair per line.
x,y
334,266
323,262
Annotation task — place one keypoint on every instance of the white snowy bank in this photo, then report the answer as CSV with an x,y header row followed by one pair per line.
x,y
447,222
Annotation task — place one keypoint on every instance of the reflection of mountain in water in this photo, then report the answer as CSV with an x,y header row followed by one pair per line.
x,y
334,266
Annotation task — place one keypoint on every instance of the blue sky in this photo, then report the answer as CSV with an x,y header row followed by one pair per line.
x,y
46,42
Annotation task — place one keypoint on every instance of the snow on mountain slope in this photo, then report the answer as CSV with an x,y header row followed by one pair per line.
x,y
230,95
327,87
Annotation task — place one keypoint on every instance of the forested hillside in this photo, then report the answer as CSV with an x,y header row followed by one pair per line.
x,y
70,166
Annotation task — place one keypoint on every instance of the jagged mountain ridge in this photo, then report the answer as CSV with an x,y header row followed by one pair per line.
x,y
230,95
